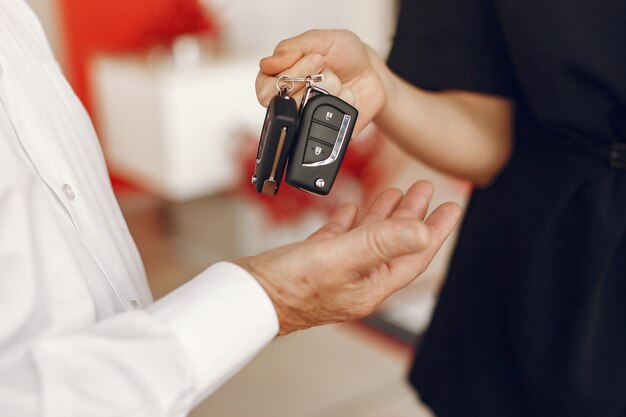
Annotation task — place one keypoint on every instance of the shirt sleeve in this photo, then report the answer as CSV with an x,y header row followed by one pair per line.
x,y
452,44
159,362
234,324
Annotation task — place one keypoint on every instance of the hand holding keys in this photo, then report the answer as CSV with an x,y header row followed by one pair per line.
x,y
320,134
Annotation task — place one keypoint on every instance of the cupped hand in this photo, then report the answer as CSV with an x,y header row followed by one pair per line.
x,y
352,70
347,268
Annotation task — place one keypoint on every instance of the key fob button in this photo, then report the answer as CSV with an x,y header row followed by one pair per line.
x,y
316,151
323,133
328,115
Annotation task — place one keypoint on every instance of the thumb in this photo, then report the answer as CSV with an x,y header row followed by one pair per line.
x,y
378,242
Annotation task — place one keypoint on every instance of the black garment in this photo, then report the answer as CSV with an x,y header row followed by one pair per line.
x,y
532,318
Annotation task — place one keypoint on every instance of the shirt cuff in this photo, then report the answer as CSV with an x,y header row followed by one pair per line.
x,y
223,318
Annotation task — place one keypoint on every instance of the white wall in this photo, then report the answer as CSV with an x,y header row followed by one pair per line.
x,y
256,26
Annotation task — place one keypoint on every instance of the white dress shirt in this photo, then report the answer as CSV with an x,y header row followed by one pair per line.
x,y
79,332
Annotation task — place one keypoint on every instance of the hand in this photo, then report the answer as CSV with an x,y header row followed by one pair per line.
x,y
352,70
347,268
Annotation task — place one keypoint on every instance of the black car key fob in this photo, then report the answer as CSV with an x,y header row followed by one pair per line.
x,y
324,131
279,128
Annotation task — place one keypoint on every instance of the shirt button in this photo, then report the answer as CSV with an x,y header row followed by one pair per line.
x,y
135,304
69,192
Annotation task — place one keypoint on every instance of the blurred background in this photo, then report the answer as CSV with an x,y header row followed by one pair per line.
x,y
170,87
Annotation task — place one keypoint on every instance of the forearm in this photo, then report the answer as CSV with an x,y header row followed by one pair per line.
x,y
464,134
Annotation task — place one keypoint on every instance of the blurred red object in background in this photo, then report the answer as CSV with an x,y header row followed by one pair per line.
x,y
93,26
360,179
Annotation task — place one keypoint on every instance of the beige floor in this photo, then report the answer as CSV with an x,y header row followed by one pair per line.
x,y
333,371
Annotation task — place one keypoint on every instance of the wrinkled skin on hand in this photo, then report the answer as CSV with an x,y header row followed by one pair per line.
x,y
347,268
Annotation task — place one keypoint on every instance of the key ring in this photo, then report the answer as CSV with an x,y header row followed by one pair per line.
x,y
281,82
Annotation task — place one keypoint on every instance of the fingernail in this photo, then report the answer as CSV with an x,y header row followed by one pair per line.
x,y
316,61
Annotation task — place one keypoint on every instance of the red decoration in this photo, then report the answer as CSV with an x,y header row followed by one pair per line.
x,y
94,26
358,179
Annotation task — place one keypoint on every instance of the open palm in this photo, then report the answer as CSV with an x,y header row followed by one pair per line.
x,y
347,268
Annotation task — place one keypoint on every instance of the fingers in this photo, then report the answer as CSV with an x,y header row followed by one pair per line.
x,y
383,206
415,203
322,281
266,84
441,222
266,81
376,243
314,52
299,56
291,50
349,97
333,85
390,202
340,222
286,65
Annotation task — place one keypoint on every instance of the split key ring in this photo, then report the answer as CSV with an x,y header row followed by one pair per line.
x,y
289,83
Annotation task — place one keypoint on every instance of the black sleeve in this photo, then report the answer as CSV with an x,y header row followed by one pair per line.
x,y
452,44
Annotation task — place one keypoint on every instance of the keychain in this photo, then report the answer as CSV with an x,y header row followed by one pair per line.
x,y
324,131
320,134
